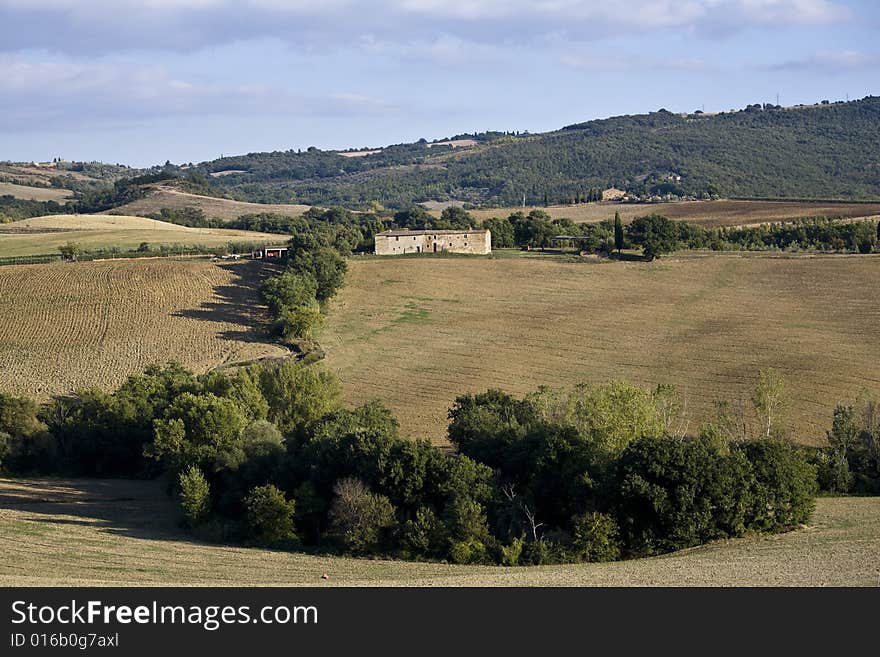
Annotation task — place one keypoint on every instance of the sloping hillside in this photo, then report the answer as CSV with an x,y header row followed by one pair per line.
x,y
826,151
163,196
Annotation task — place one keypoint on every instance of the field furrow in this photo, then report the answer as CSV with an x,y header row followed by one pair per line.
x,y
73,325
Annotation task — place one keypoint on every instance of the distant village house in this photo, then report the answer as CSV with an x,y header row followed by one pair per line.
x,y
398,242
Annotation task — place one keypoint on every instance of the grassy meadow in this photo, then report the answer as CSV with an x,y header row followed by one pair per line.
x,y
43,235
57,532
70,325
417,332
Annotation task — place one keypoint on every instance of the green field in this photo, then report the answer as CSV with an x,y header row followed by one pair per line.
x,y
417,332
125,533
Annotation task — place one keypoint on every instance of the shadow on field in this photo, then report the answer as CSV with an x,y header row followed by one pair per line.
x,y
237,303
136,509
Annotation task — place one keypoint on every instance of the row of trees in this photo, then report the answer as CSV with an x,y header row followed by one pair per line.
x,y
314,268
16,209
268,455
656,234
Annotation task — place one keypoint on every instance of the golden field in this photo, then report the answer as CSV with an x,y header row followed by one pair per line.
x,y
56,532
417,332
70,325
43,235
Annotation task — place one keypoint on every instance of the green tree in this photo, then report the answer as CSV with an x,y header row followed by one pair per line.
x,y
595,537
456,218
288,290
270,515
301,322
534,230
197,430
618,233
324,264
195,495
655,234
299,395
70,251
502,233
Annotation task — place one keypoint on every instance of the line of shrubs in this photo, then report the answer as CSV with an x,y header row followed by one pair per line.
x,y
268,455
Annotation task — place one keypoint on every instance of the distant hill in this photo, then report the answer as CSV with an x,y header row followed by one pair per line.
x,y
160,196
827,151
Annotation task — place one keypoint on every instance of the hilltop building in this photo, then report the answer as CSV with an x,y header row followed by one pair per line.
x,y
398,242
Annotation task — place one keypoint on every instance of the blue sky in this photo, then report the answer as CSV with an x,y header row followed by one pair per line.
x,y
142,81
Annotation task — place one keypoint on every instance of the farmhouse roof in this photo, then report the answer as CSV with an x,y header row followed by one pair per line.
x,y
393,233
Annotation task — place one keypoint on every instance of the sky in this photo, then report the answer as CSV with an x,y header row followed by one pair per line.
x,y
140,82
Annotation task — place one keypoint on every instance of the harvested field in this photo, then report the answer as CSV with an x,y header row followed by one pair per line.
x,y
70,325
358,153
417,332
35,193
43,235
704,213
215,208
111,533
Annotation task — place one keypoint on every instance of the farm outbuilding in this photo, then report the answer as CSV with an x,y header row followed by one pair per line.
x,y
398,242
271,253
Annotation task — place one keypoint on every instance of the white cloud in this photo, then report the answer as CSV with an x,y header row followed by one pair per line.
x,y
831,62
61,91
105,25
633,63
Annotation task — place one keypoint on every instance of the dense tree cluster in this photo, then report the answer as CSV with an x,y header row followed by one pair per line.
x,y
121,192
851,462
16,209
268,455
315,266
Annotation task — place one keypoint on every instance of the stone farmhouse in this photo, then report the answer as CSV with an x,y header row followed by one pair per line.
x,y
398,242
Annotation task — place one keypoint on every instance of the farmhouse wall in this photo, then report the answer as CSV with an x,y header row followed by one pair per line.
x,y
398,242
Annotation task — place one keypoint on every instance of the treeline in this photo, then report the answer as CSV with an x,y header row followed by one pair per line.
x,y
72,251
16,209
268,455
656,234
121,192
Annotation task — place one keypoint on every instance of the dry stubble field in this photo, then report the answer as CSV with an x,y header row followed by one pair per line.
x,y
35,193
68,325
112,533
417,332
216,208
43,235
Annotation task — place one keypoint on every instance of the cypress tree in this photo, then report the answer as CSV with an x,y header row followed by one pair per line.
x,y
618,233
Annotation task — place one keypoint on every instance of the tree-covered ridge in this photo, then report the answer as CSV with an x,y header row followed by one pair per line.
x,y
825,151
